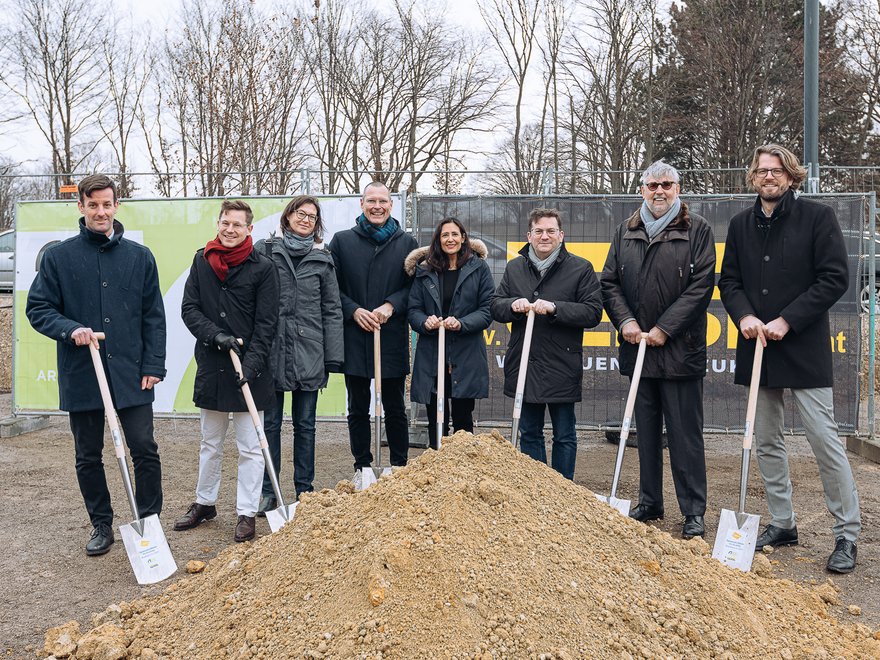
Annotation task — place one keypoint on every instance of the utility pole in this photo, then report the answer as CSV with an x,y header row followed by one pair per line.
x,y
811,93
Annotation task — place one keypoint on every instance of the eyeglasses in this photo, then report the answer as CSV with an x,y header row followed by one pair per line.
x,y
540,232
666,185
302,215
775,171
225,224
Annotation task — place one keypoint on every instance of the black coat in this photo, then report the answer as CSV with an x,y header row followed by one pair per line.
x,y
308,341
110,286
370,275
556,367
796,270
244,306
465,348
667,283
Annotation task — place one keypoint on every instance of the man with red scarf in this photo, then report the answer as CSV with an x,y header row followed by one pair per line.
x,y
231,293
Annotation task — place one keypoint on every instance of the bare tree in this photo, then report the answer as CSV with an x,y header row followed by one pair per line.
x,y
58,75
863,41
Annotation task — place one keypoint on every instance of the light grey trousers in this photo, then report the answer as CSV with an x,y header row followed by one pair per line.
x,y
816,408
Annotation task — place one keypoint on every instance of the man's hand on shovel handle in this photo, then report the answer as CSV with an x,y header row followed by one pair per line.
x,y
752,327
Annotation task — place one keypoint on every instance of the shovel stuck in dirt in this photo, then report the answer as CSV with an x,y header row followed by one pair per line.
x,y
738,531
282,515
367,476
521,378
441,383
144,540
623,505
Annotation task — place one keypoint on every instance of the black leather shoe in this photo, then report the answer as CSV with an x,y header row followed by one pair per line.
x,y
245,529
693,526
267,503
101,540
644,513
776,536
195,516
843,559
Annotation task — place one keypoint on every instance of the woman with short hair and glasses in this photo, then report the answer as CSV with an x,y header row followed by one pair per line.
x,y
308,342
452,287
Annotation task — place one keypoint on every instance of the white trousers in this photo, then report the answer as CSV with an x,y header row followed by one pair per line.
x,y
250,460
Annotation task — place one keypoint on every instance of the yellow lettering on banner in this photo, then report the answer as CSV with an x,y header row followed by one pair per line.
x,y
713,329
837,343
488,336
599,337
732,332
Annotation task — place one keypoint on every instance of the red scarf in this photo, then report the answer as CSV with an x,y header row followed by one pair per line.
x,y
221,258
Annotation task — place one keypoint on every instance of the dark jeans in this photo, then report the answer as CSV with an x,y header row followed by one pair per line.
x,y
302,410
462,414
359,426
88,439
531,435
680,403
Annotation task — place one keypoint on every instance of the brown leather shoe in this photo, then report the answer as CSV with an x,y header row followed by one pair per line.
x,y
245,529
197,514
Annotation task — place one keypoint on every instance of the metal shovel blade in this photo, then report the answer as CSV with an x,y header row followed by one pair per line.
x,y
621,505
148,550
278,518
364,478
735,541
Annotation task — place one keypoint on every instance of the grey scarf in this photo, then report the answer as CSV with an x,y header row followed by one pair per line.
x,y
297,245
543,265
655,225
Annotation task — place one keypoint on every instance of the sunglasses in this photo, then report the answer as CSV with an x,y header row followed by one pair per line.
x,y
666,185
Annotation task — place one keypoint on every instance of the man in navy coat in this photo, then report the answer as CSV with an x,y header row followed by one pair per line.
x,y
100,281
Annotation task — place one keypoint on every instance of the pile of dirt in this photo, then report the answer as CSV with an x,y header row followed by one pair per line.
x,y
475,551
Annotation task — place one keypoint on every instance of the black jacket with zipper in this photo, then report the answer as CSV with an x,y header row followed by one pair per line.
x,y
556,366
666,283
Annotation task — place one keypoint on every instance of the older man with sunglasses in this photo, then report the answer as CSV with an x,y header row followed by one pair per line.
x,y
658,280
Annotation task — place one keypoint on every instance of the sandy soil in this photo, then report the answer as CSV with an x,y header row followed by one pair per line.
x,y
49,579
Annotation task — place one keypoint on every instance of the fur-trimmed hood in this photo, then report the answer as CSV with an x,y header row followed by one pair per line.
x,y
418,255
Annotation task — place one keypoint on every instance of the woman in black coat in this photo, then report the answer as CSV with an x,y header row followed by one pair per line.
x,y
453,287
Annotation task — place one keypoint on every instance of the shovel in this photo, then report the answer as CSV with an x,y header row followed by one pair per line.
x,y
623,505
366,477
521,378
144,540
279,517
441,383
738,531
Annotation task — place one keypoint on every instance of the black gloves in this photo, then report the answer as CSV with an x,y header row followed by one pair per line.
x,y
226,343
246,377
333,367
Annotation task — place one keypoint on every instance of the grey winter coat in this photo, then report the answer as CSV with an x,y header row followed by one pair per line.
x,y
668,283
797,270
111,286
556,367
370,275
466,348
308,341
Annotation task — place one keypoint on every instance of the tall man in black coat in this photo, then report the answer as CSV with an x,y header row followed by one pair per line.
x,y
784,267
231,293
374,289
563,290
100,281
658,280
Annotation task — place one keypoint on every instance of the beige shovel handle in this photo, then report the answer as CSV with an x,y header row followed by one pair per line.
x,y
112,422
633,389
248,397
377,369
441,381
524,364
752,405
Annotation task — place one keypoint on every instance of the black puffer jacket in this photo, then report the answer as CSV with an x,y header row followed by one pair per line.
x,y
466,348
370,275
668,283
308,342
797,270
244,306
556,367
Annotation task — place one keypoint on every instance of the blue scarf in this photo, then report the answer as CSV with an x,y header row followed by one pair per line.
x,y
655,225
297,245
376,234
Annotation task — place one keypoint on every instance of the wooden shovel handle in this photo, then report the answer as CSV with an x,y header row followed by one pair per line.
x,y
633,388
752,404
523,365
245,389
109,410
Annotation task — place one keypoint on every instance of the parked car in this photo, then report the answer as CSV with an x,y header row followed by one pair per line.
x,y
7,260
864,278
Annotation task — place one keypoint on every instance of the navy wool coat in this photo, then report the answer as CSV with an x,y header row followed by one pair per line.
x,y
244,306
110,286
370,275
466,348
